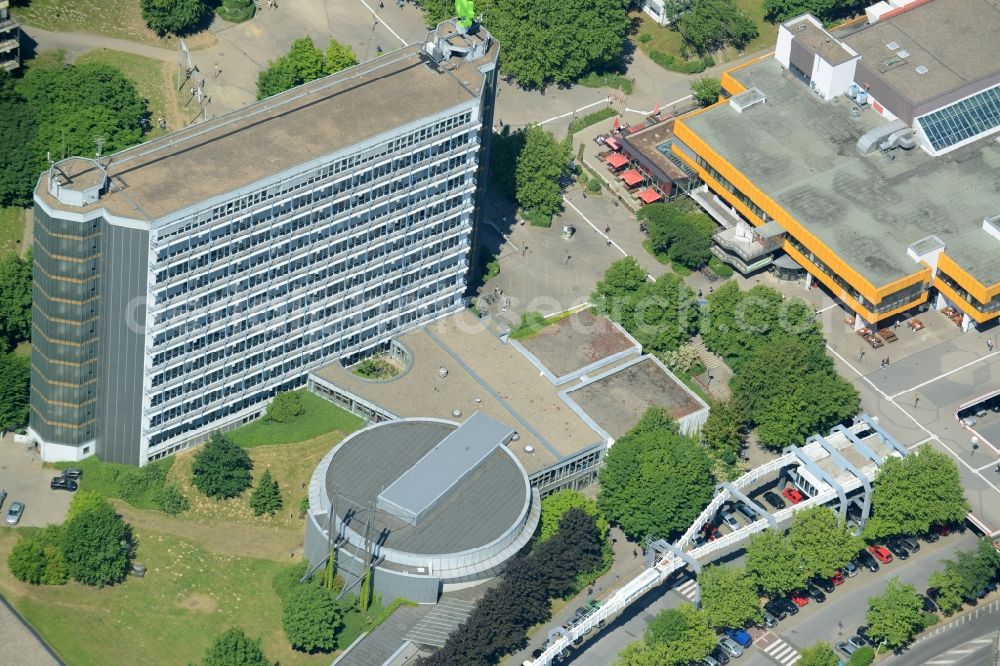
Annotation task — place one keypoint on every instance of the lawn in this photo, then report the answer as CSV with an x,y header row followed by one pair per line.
x,y
154,80
114,18
320,417
11,229
171,616
669,41
104,478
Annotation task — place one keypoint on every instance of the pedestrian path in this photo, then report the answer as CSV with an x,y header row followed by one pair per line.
x,y
434,628
781,652
688,589
712,362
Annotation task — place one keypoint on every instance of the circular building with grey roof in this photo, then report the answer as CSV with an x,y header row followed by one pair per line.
x,y
433,505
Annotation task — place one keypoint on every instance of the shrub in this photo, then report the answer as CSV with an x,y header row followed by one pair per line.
x,y
172,501
578,124
235,11
27,561
287,578
862,657
531,322
177,16
97,545
284,408
720,268
645,37
594,185
303,506
235,648
669,61
311,618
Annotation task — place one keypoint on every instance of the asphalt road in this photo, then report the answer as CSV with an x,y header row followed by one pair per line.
x,y
965,641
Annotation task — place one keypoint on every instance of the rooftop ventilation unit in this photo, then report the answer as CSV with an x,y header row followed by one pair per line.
x,y
892,46
922,70
747,99
903,53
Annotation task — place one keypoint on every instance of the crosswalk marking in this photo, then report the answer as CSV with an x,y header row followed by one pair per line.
x,y
782,652
687,589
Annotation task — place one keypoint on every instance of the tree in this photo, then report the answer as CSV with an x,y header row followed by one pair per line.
x,y
616,293
821,542
729,596
724,432
338,57
710,25
777,11
680,231
541,164
655,483
638,653
896,615
266,497
171,500
15,384
311,618
234,648
685,632
19,161
543,43
773,564
15,299
706,90
436,11
76,104
97,545
665,315
820,654
975,568
576,548
555,506
913,493
179,17
504,152
304,62
38,559
221,469
84,501
285,407
950,587
236,11
862,656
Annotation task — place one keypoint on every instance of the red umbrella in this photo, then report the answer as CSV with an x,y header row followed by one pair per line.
x,y
616,125
656,110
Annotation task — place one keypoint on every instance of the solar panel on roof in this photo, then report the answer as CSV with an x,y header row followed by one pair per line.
x,y
963,120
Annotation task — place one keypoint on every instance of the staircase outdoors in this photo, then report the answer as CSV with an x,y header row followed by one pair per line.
x,y
718,387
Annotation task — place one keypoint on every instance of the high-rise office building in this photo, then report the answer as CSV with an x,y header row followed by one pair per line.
x,y
180,284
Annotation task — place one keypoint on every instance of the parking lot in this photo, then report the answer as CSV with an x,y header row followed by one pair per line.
x,y
25,480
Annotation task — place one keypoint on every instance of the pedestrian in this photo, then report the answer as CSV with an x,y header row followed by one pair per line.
x,y
568,257
217,70
998,468
896,325
989,345
699,293
883,364
916,399
635,553
887,360
607,229
861,354
374,22
381,5
378,48
609,242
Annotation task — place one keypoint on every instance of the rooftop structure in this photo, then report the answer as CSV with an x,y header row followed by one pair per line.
x,y
474,510
867,210
552,389
180,285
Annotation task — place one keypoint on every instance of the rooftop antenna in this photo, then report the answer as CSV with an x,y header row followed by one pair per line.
x,y
466,13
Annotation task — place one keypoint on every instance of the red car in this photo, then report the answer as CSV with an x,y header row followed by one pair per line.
x,y
799,598
838,578
710,531
942,529
793,495
881,553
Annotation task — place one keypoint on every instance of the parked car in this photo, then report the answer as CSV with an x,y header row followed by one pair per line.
x,y
866,560
837,578
857,641
863,632
931,537
824,584
942,529
909,543
730,520
846,648
793,495
799,597
14,513
582,612
816,593
929,606
770,620
932,593
881,553
746,512
62,483
710,661
730,647
897,549
740,636
774,500
710,531
697,541
74,473
850,570
777,609
594,604
719,655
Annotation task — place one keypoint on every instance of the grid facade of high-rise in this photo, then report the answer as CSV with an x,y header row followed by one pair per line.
x,y
181,284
